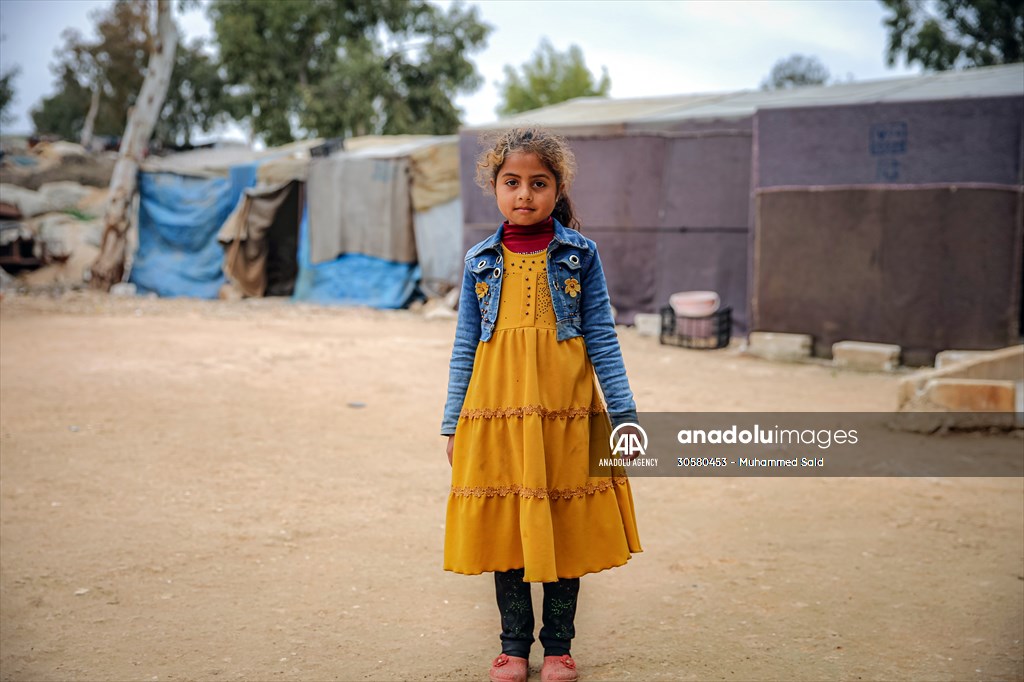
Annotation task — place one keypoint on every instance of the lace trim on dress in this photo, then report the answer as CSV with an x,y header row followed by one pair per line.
x,y
531,409
539,493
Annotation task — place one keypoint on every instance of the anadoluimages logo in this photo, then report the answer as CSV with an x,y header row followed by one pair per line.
x,y
628,444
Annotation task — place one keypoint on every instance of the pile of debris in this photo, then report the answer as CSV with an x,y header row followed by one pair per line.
x,y
52,200
33,165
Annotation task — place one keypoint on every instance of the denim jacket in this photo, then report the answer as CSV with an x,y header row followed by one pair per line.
x,y
570,256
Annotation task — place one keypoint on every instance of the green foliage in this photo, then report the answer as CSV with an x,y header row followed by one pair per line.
x,y
795,71
64,114
342,68
196,96
7,92
547,78
78,214
951,34
115,64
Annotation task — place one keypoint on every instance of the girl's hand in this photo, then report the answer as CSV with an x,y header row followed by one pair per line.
x,y
450,448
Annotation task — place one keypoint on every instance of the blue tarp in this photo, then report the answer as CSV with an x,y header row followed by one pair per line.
x,y
179,217
352,278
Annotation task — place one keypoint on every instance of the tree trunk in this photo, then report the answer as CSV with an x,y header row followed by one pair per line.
x,y
90,118
109,266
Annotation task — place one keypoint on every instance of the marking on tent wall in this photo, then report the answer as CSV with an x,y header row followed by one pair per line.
x,y
886,140
889,169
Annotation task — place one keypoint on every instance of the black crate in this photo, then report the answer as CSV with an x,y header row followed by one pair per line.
x,y
706,333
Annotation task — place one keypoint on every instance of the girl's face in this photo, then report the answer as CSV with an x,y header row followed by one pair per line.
x,y
525,189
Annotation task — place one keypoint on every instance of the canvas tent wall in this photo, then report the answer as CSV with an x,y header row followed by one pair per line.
x,y
666,187
896,221
184,201
383,219
667,202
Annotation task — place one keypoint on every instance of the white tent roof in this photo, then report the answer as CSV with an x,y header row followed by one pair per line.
x,y
217,161
599,113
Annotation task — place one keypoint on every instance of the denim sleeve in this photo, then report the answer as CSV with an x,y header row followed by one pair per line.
x,y
598,327
467,336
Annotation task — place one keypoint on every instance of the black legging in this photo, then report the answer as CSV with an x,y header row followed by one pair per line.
x,y
516,608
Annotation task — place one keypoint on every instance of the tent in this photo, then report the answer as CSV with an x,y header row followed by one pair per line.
x,y
184,201
383,218
373,224
675,192
894,220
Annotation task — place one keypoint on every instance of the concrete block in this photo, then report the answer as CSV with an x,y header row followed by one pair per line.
x,y
1005,364
876,357
647,324
948,358
970,395
779,346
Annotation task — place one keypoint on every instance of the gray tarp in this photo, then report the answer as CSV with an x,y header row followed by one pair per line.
x,y
438,237
360,205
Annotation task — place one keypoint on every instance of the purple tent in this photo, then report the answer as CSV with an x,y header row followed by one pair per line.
x,y
691,192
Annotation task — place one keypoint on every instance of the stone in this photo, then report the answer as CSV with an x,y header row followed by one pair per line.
x,y
780,346
970,395
876,357
647,324
948,358
123,289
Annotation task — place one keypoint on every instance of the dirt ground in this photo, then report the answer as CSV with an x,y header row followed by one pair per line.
x,y
256,490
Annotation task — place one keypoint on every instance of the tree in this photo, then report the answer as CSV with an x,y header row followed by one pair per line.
x,y
98,81
341,68
795,71
547,78
952,34
197,98
7,91
108,269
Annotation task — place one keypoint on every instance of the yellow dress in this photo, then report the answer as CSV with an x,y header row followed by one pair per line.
x,y
522,495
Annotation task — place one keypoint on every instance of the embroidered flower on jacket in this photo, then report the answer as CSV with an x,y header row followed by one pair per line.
x,y
481,289
572,287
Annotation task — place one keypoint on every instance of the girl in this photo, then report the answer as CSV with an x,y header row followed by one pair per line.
x,y
524,418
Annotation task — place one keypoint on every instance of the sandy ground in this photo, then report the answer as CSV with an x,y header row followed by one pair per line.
x,y
188,492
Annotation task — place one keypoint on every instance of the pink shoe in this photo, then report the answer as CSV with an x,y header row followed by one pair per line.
x,y
507,668
559,669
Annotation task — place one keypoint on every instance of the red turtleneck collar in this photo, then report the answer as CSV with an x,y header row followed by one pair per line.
x,y
528,238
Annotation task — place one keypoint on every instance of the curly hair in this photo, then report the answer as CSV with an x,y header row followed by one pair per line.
x,y
552,150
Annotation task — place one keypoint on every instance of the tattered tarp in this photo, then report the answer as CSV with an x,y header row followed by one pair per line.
x,y
352,279
184,200
360,205
363,198
435,163
439,242
251,244
179,217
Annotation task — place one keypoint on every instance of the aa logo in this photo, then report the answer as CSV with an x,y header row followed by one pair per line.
x,y
628,440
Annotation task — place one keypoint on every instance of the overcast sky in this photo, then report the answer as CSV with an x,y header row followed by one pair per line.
x,y
649,48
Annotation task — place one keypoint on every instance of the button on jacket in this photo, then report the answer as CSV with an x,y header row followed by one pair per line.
x,y
574,267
